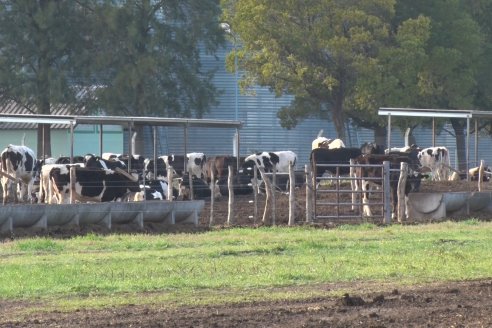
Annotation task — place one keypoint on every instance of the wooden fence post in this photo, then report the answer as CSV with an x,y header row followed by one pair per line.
x,y
190,177
274,201
480,174
387,192
212,198
402,181
292,198
255,195
170,183
230,212
309,194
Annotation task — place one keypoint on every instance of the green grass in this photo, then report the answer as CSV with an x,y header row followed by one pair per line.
x,y
238,264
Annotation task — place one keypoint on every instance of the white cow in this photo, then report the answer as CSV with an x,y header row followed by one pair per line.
x,y
322,142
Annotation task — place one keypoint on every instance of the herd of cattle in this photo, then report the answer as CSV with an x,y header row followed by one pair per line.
x,y
116,177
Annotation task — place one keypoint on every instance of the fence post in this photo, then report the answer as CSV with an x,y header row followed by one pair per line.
x,y
230,212
170,183
480,174
268,190
72,185
190,177
212,199
292,185
309,193
402,181
254,185
273,188
387,192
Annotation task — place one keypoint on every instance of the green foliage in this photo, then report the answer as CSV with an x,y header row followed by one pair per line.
x,y
334,56
149,57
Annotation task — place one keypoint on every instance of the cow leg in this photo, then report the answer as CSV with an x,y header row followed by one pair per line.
x,y
365,198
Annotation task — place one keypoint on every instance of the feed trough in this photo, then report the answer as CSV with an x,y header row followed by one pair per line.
x,y
105,214
439,205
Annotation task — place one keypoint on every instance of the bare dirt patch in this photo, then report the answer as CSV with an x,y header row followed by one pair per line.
x,y
453,304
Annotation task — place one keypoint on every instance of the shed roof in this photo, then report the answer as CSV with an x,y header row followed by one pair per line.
x,y
67,120
445,113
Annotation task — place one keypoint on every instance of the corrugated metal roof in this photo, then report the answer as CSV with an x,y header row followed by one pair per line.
x,y
11,107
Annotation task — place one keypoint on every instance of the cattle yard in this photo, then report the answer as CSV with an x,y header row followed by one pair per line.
x,y
348,184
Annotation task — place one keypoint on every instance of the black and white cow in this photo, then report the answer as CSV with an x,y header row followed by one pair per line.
x,y
437,160
96,162
162,187
94,185
157,170
366,175
46,191
20,163
267,160
66,160
195,164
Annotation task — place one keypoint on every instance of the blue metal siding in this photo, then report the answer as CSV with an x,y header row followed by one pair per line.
x,y
262,131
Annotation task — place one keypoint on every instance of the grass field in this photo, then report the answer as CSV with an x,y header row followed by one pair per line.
x,y
237,264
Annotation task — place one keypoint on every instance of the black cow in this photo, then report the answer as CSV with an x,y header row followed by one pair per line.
x,y
322,156
395,159
241,185
200,188
91,184
371,148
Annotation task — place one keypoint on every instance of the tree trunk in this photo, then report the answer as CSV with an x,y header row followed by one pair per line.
x,y
44,130
338,117
380,136
459,131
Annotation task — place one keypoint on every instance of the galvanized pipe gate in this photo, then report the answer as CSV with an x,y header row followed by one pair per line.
x,y
341,197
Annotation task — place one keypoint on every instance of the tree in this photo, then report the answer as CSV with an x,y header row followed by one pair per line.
x,y
148,61
323,52
451,74
38,43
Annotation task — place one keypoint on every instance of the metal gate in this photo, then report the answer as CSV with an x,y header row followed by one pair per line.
x,y
336,197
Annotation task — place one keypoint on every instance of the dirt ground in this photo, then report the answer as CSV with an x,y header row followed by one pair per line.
x,y
453,304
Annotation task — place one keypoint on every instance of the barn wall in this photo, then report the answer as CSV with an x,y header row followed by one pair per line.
x,y
86,140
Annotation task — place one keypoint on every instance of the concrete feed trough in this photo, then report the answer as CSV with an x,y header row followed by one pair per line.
x,y
439,205
106,214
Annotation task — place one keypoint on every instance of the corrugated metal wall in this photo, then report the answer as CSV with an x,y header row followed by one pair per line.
x,y
258,111
262,131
